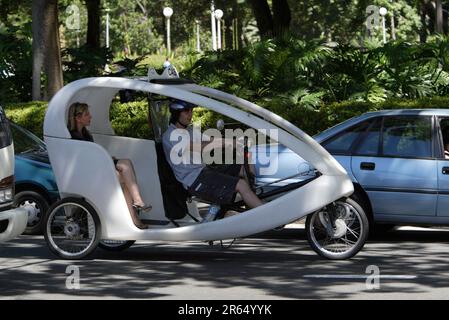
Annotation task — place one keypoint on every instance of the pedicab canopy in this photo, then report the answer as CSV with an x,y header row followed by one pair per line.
x,y
99,92
86,170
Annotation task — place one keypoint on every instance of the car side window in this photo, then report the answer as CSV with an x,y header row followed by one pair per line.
x,y
23,142
343,142
407,136
369,145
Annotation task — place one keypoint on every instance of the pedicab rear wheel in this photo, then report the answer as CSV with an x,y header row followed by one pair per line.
x,y
338,231
72,229
115,245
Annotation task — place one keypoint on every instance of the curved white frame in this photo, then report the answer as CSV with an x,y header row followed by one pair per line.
x,y
98,183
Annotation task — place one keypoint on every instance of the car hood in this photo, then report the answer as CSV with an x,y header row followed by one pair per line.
x,y
35,156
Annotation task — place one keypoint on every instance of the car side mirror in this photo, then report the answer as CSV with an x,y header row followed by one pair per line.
x,y
126,96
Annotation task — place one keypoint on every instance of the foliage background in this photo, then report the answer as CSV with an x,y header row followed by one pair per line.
x,y
326,68
130,119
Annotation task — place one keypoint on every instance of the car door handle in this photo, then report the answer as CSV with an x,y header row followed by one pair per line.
x,y
445,170
367,166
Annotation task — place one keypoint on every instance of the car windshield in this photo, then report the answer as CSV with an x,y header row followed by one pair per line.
x,y
25,141
5,133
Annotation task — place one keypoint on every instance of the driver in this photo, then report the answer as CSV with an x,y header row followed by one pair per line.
x,y
215,184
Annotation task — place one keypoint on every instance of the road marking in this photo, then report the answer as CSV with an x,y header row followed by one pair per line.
x,y
356,276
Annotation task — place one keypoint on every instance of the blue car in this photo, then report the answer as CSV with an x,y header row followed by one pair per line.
x,y
396,160
35,185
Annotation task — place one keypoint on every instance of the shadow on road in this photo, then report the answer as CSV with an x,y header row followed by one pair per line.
x,y
273,262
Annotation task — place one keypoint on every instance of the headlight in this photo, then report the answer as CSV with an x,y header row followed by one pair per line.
x,y
6,195
6,189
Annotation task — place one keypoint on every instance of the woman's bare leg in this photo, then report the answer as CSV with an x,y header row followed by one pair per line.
x,y
128,198
129,203
128,176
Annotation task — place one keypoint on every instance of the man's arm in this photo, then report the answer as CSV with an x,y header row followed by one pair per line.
x,y
215,143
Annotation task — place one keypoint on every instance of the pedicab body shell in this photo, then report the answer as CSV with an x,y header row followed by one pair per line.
x,y
85,169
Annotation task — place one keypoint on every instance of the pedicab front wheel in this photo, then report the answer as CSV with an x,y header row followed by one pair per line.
x,y
339,230
72,229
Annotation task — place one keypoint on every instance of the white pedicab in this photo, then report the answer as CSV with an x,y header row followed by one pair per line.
x,y
93,211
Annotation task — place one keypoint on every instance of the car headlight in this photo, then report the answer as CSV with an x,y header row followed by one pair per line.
x,y
6,189
6,195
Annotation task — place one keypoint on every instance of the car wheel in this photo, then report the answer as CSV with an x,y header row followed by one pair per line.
x,y
36,206
72,228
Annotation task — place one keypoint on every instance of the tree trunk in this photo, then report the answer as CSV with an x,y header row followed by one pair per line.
x,y
423,15
53,64
38,48
445,22
229,22
46,48
263,17
93,23
281,17
438,17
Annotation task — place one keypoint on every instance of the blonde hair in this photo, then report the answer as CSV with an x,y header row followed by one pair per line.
x,y
76,109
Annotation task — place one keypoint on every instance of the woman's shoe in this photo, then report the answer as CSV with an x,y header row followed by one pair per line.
x,y
143,208
135,217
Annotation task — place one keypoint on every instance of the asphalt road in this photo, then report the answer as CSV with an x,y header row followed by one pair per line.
x,y
275,265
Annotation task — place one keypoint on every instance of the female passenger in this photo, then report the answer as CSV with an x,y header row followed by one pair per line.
x,y
79,119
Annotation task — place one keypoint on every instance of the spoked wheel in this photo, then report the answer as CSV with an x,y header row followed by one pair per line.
x,y
115,245
72,228
339,230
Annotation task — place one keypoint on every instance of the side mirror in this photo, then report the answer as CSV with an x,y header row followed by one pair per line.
x,y
220,124
126,95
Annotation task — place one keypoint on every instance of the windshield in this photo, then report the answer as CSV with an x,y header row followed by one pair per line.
x,y
25,141
5,133
160,116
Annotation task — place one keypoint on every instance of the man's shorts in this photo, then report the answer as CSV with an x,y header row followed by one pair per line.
x,y
217,184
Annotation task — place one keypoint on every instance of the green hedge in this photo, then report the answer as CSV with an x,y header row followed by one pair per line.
x,y
29,115
130,119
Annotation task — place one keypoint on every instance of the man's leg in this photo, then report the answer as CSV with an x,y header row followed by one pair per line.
x,y
247,194
249,177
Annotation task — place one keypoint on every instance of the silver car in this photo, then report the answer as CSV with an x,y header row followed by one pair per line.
x,y
395,158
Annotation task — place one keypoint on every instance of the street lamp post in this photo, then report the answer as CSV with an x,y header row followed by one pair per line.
x,y
393,27
107,27
198,46
212,17
218,15
168,13
383,12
